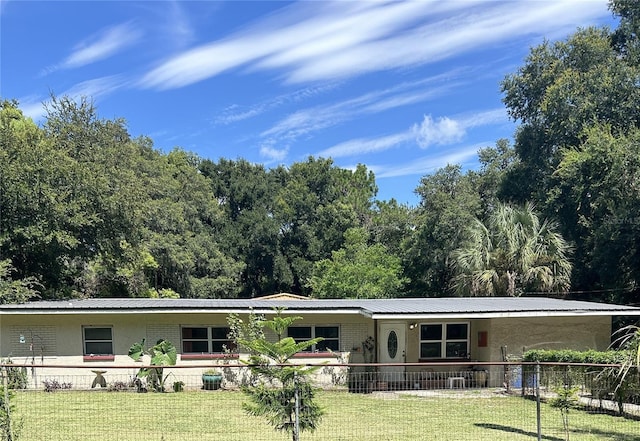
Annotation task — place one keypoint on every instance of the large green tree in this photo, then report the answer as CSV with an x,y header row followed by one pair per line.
x,y
47,224
15,291
316,204
514,252
449,203
597,195
562,89
358,271
578,102
248,230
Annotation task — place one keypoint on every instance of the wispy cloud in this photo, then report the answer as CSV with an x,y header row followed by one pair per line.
x,y
428,164
360,146
99,46
319,41
179,25
306,121
95,88
238,113
34,107
441,131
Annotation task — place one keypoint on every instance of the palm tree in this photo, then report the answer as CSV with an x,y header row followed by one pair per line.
x,y
512,253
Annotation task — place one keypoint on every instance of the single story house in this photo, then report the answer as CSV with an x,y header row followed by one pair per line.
x,y
99,332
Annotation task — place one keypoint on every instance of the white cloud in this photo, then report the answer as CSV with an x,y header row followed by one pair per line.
x,y
362,146
306,121
179,25
443,131
34,107
100,46
428,164
488,117
96,87
272,153
237,113
319,41
438,132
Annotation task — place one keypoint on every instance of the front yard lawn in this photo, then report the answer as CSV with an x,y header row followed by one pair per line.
x,y
218,415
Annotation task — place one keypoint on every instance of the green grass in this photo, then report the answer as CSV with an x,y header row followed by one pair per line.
x,y
218,415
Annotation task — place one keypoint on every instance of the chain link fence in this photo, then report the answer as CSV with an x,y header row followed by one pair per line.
x,y
507,401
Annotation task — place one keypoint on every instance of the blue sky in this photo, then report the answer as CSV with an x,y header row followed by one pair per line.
x,y
402,87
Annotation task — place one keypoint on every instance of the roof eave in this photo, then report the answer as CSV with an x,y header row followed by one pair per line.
x,y
501,314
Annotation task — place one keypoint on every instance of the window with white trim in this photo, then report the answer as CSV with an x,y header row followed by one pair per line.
x,y
444,340
206,339
97,340
330,334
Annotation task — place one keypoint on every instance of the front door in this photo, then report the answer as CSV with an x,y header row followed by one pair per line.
x,y
391,349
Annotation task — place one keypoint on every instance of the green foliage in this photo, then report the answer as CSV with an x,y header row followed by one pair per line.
x,y
358,270
449,202
511,253
596,194
10,426
572,356
163,353
87,211
178,386
619,380
577,147
17,377
15,291
566,398
628,375
281,390
249,330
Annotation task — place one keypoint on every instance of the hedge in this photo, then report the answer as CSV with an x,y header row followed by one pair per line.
x,y
571,356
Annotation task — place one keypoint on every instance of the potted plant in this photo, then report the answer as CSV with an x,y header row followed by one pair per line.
x,y
211,379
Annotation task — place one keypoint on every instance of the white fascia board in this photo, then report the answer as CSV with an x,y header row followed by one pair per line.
x,y
515,314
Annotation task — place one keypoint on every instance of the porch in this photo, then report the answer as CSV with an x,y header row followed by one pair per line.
x,y
424,379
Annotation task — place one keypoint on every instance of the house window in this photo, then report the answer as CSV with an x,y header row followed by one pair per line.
x,y
98,340
206,340
444,340
330,334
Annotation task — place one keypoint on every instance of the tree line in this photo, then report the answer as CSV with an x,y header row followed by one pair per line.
x,y
87,210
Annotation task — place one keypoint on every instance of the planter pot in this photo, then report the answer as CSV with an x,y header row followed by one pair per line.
x,y
211,381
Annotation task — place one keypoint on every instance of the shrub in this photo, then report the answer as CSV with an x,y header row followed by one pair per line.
x,y
118,386
54,385
17,377
571,356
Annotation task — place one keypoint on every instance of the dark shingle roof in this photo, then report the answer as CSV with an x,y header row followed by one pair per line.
x,y
375,308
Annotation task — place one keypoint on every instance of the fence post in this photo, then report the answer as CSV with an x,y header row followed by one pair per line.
x,y
7,404
538,415
296,428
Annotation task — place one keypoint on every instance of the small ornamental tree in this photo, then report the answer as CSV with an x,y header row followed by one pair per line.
x,y
282,393
565,400
163,353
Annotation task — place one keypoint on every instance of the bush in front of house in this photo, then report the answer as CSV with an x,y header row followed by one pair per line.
x,y
53,385
572,356
604,382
